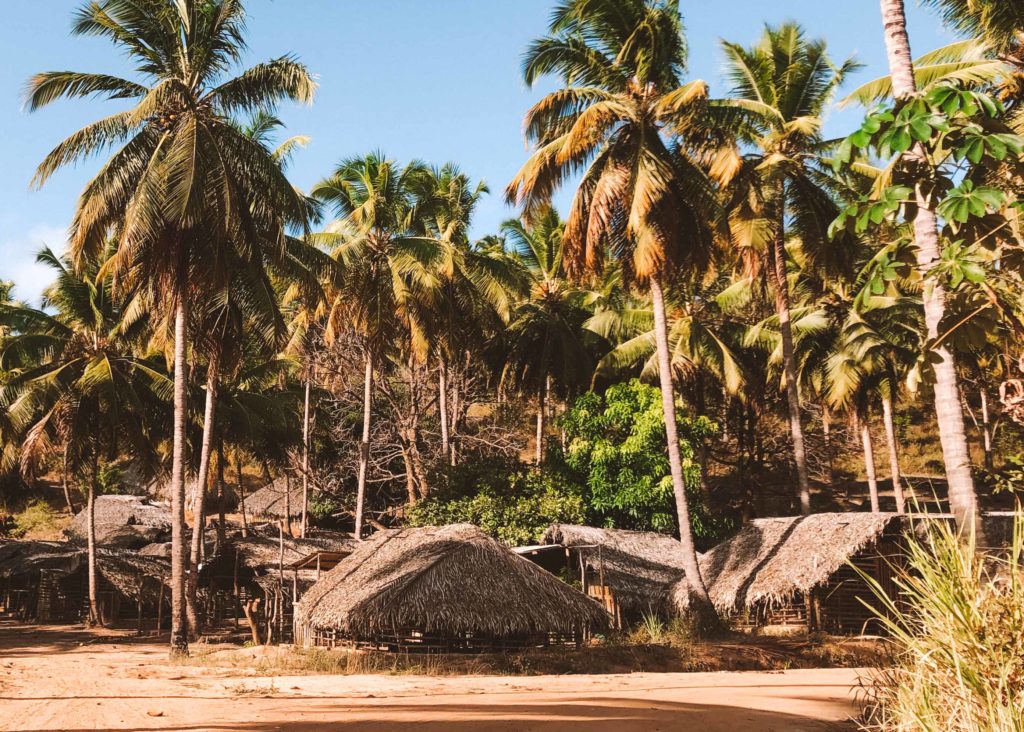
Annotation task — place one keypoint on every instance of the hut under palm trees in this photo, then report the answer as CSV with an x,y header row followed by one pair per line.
x,y
798,573
450,588
281,498
48,582
124,521
629,572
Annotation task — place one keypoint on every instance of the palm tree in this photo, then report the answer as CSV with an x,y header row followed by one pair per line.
x,y
387,269
185,184
781,86
79,387
548,345
621,62
963,500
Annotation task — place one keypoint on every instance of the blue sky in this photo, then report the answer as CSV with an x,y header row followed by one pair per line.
x,y
433,79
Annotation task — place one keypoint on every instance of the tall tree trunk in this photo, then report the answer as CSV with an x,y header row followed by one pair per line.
x,y
90,533
179,617
986,428
220,494
963,501
364,445
700,602
541,412
894,454
199,495
241,492
305,458
64,481
796,427
442,406
869,460
826,430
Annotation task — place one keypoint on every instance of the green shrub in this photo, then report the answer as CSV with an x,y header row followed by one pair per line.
x,y
958,631
38,515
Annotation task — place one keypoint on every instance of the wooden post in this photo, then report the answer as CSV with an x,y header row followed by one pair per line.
x,y
160,610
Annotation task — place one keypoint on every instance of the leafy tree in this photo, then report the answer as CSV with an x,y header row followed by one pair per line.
x,y
616,443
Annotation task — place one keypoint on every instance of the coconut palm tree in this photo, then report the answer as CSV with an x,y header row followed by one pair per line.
x,y
621,63
963,501
185,185
781,86
548,346
79,387
387,269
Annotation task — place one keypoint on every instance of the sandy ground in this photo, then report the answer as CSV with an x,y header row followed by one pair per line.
x,y
60,679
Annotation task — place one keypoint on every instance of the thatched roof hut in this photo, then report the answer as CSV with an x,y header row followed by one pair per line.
x,y
639,567
443,585
274,500
773,559
124,521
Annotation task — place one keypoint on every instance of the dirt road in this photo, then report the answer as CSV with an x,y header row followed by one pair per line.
x,y
53,679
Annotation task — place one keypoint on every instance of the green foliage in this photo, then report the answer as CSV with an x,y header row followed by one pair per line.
x,y
515,506
959,656
616,443
37,515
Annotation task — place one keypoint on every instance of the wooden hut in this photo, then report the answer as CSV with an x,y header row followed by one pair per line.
x,y
629,572
450,588
277,500
795,573
48,582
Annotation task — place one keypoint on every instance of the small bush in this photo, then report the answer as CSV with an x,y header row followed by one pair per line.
x,y
37,517
958,631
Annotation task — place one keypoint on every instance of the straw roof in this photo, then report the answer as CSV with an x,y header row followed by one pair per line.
x,y
262,551
124,521
447,580
124,570
639,566
271,501
773,559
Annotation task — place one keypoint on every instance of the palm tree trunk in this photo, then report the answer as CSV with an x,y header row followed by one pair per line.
x,y
700,602
220,493
894,454
64,481
90,532
869,460
241,492
541,400
986,428
364,445
796,428
963,501
305,459
179,617
199,496
826,430
442,406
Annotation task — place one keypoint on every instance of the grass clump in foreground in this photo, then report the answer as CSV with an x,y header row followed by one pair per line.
x,y
958,635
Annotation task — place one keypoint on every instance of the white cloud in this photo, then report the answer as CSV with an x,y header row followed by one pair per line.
x,y
18,259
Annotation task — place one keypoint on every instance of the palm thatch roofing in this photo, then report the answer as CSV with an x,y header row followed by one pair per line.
x,y
262,551
271,501
126,521
773,559
639,566
448,580
126,571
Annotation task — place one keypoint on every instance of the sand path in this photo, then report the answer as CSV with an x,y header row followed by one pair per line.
x,y
50,680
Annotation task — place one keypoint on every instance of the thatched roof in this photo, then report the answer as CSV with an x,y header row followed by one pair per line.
x,y
772,559
124,570
639,566
271,501
448,580
160,549
262,551
126,521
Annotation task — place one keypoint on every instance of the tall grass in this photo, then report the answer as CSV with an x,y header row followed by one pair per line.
x,y
958,631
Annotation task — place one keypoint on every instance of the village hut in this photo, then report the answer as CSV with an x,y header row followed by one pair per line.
x,y
129,522
450,588
48,582
629,572
801,573
277,500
